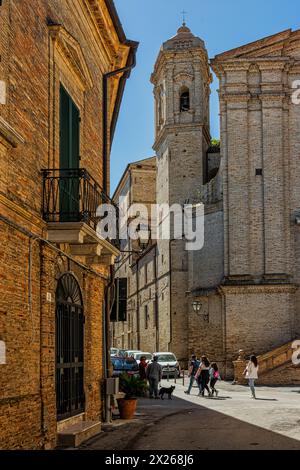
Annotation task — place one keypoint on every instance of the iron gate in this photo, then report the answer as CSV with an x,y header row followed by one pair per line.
x,y
69,348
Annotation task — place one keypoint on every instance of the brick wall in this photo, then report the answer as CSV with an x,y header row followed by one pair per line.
x,y
34,63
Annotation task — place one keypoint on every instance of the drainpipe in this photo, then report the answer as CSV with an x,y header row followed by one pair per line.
x,y
106,342
106,77
156,313
106,316
170,293
138,324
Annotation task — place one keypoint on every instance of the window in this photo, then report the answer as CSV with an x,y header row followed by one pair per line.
x,y
119,305
160,106
69,157
184,100
146,316
69,131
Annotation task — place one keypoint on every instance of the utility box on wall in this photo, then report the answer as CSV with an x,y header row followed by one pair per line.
x,y
112,386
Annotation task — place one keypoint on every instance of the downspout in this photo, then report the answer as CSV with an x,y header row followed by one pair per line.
x,y
106,341
138,327
156,298
106,77
106,316
170,293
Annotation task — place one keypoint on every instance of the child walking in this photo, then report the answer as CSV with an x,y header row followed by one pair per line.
x,y
214,376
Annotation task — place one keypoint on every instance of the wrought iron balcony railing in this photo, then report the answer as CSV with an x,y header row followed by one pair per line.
x,y
72,195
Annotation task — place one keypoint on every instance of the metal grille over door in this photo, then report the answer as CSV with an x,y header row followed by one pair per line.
x,y
69,348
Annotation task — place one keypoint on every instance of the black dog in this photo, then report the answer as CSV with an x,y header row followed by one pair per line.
x,y
166,390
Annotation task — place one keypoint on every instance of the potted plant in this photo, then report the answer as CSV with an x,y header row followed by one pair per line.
x,y
133,387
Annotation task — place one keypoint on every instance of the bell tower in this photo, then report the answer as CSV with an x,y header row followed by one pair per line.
x,y
181,80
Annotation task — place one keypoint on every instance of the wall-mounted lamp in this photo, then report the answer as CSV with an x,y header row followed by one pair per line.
x,y
197,307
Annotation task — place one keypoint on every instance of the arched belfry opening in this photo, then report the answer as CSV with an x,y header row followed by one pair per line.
x,y
184,100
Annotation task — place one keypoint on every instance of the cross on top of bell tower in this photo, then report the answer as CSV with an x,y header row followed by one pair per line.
x,y
183,17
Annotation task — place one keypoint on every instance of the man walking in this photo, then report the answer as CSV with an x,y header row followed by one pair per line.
x,y
193,367
154,375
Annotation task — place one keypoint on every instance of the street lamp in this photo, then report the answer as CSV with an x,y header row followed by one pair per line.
x,y
197,307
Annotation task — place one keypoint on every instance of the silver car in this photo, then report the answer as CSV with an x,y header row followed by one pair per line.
x,y
114,352
170,365
137,356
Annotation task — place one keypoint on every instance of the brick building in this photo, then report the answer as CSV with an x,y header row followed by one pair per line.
x,y
63,69
240,291
139,327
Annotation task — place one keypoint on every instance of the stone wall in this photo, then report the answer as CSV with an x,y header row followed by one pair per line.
x,y
264,315
206,337
138,187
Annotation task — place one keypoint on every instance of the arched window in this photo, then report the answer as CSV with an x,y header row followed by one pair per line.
x,y
161,106
184,100
69,348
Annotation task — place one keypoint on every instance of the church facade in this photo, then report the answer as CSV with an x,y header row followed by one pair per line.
x,y
240,291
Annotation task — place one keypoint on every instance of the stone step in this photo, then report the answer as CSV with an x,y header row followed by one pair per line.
x,y
74,435
275,367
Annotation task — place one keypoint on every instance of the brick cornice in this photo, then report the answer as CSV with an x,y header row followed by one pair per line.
x,y
171,128
20,211
8,135
259,289
72,52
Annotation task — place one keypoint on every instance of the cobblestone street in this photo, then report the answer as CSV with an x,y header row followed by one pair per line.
x,y
231,421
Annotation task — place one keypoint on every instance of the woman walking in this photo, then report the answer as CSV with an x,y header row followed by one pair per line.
x,y
251,374
203,376
142,368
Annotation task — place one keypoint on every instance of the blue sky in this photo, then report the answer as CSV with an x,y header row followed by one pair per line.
x,y
222,24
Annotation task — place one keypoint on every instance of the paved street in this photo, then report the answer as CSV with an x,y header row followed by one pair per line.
x,y
231,421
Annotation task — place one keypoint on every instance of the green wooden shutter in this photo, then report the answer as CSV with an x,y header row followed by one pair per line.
x,y
69,158
74,136
64,129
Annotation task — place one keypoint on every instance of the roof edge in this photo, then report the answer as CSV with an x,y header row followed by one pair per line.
x,y
258,44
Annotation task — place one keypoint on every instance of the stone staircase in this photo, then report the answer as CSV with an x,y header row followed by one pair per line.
x,y
275,367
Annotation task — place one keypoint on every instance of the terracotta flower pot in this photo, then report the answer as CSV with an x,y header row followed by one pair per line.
x,y
127,407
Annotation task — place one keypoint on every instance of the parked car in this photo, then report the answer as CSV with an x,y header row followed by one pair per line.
x,y
114,352
122,352
132,352
124,364
137,356
170,365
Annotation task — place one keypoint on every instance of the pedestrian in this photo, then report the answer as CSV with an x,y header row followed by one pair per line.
x,y
202,375
251,372
214,375
193,367
142,368
154,375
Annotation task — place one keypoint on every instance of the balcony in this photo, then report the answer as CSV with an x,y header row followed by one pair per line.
x,y
71,198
